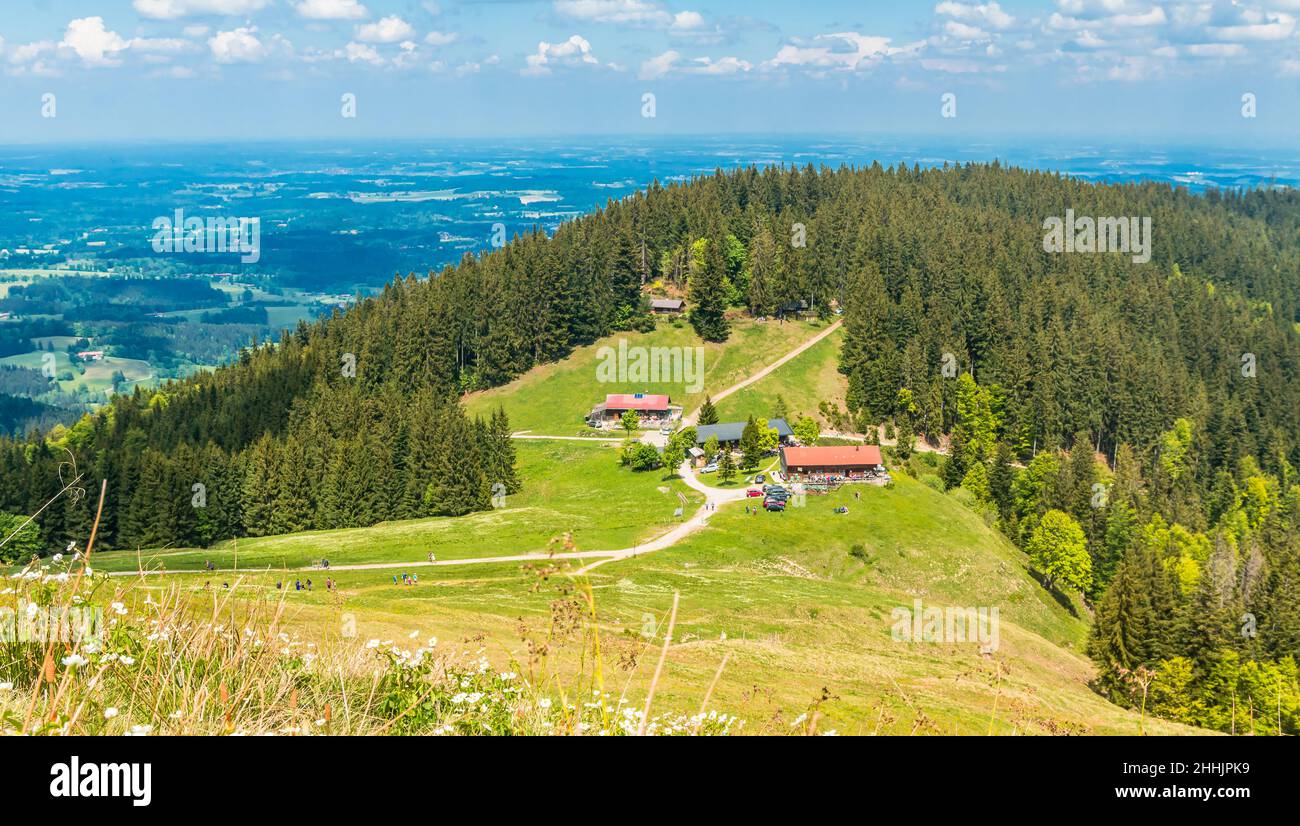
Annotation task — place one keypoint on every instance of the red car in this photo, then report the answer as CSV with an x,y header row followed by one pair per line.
x,y
752,492
774,504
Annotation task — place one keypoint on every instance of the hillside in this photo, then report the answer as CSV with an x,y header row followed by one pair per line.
x,y
781,595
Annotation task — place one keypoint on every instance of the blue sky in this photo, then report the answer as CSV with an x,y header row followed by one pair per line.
x,y
1138,70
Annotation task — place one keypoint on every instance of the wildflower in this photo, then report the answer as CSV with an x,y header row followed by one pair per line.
x,y
58,558
139,731
413,634
74,660
6,686
110,713
128,661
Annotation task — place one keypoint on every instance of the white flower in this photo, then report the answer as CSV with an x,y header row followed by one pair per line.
x,y
372,644
110,713
413,634
544,703
139,731
127,660
74,660
6,686
58,557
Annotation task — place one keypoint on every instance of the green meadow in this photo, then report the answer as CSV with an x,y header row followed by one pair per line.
x,y
555,398
804,382
569,487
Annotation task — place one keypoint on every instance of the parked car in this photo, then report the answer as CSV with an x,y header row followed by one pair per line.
x,y
774,504
760,479
712,467
752,492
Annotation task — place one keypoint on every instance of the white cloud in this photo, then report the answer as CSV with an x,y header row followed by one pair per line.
x,y
1216,50
28,52
990,14
94,44
195,31
659,66
237,46
331,9
961,31
1269,26
687,21
615,11
575,51
440,38
172,9
958,66
362,53
721,66
843,51
389,29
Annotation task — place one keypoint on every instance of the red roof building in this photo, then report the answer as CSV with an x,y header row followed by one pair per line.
x,y
640,402
651,408
832,462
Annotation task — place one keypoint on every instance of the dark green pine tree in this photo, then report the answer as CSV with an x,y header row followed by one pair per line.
x,y
708,413
707,293
751,446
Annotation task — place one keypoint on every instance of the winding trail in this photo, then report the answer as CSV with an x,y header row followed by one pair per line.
x,y
694,416
713,498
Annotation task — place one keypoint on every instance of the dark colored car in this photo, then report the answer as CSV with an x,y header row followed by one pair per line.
x,y
774,504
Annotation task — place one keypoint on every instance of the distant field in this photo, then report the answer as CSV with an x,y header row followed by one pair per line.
x,y
58,342
98,376
568,487
554,399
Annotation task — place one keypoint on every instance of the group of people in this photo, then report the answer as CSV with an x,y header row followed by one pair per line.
x,y
408,579
300,585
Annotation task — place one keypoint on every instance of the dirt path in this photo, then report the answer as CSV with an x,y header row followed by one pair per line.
x,y
694,416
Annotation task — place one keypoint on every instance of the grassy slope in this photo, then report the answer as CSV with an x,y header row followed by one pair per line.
x,y
553,399
569,486
795,612
804,382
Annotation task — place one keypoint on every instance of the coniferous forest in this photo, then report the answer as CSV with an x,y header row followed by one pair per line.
x,y
1134,427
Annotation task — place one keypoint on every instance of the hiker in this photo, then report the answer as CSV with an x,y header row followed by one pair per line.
x,y
432,558
415,579
278,584
297,585
309,585
394,579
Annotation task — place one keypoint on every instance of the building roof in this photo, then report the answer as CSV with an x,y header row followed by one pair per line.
x,y
635,401
732,431
666,303
832,456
